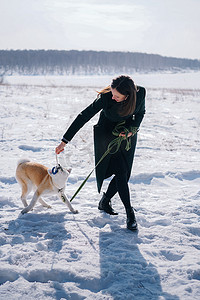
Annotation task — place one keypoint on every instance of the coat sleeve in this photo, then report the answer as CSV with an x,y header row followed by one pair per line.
x,y
133,123
83,118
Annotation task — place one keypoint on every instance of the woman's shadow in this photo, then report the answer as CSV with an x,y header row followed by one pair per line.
x,y
125,274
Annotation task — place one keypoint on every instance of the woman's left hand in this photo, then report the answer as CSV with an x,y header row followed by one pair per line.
x,y
123,134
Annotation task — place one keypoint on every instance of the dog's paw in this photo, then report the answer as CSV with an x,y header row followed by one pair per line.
x,y
75,211
48,206
24,211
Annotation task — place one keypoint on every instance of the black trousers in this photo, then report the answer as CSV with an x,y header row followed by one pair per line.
x,y
119,182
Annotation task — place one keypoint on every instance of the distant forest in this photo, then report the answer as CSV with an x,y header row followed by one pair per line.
x,y
56,62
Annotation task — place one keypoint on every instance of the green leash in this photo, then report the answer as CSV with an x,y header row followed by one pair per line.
x,y
116,143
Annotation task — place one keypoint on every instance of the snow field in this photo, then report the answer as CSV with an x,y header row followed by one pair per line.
x,y
53,254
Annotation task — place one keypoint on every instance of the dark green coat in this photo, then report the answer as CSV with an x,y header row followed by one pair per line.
x,y
108,119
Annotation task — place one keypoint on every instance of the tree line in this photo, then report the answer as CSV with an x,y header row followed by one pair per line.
x,y
58,62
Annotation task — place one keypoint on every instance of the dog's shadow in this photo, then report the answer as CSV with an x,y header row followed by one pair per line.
x,y
46,230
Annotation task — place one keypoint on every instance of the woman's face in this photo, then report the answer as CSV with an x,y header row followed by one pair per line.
x,y
117,96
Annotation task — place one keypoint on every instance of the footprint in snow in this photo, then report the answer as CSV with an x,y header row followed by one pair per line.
x,y
169,255
30,148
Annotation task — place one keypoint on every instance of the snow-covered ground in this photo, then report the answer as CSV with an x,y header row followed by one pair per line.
x,y
186,80
53,254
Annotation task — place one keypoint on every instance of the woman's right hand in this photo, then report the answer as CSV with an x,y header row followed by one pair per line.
x,y
60,147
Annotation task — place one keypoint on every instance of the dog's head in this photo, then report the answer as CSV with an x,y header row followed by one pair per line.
x,y
59,175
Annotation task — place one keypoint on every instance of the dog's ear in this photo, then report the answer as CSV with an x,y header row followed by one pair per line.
x,y
69,170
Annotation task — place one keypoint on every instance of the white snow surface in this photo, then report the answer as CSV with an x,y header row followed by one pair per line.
x,y
53,254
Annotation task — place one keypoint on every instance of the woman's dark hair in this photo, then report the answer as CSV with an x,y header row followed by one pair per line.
x,y
125,86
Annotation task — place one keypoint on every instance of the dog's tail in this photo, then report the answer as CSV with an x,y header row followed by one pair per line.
x,y
22,160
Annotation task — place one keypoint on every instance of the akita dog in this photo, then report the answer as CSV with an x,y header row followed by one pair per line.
x,y
32,175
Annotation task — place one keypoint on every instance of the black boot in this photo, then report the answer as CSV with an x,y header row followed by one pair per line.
x,y
131,220
105,205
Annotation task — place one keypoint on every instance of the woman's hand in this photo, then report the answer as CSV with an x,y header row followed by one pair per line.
x,y
123,134
60,147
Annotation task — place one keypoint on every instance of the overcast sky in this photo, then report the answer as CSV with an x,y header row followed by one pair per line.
x,y
166,27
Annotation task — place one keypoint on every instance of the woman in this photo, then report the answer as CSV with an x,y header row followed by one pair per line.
x,y
122,107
